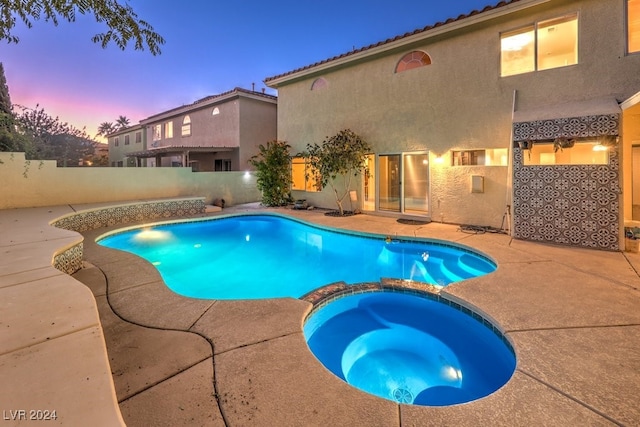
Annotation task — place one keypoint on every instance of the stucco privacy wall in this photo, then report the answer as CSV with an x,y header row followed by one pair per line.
x,y
36,183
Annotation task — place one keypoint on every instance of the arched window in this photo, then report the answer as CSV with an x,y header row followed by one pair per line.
x,y
186,126
215,111
411,60
319,83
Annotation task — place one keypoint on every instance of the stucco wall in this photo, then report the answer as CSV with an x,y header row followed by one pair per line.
x,y
31,184
258,125
118,153
459,101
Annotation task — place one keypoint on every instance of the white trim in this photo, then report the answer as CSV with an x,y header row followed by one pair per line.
x,y
631,102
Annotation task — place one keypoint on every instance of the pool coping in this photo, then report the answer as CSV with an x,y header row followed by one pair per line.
x,y
244,336
545,389
37,335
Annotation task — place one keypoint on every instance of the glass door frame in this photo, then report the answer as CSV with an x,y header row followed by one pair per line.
x,y
395,186
402,178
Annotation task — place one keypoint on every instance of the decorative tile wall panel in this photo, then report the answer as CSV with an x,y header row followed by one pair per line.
x,y
575,127
112,215
575,205
70,260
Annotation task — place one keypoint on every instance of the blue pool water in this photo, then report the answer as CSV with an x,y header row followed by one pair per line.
x,y
409,349
269,256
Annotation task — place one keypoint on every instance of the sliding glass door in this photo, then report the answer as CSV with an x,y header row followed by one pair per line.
x,y
416,183
403,183
635,184
389,182
369,184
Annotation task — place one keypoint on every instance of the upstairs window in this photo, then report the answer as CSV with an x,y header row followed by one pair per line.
x,y
116,141
633,26
138,137
319,83
541,46
157,132
168,130
413,60
126,140
186,126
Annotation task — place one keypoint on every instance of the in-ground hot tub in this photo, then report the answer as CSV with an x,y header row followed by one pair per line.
x,y
410,348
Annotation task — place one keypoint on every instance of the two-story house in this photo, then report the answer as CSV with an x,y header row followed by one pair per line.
x,y
216,133
124,142
524,115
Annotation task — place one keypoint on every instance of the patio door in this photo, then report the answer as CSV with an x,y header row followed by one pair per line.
x,y
415,199
635,183
389,189
369,184
403,183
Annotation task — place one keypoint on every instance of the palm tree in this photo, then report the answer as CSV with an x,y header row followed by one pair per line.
x,y
122,122
106,128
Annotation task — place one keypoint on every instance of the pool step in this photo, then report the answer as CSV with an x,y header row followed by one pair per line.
x,y
445,271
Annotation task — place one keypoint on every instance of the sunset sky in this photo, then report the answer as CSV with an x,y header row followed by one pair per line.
x,y
211,47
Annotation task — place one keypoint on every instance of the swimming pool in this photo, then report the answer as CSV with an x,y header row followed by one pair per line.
x,y
410,349
269,256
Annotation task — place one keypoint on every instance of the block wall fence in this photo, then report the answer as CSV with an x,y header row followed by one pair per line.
x,y
27,184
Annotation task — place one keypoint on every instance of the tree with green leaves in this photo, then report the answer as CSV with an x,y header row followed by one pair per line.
x,y
10,140
5,99
273,171
106,128
122,122
123,23
50,138
337,160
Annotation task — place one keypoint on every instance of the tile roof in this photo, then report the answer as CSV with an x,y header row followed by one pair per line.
x,y
399,37
237,90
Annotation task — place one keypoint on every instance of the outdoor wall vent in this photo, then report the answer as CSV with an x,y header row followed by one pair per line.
x,y
477,184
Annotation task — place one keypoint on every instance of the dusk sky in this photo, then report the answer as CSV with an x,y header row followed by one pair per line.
x,y
211,47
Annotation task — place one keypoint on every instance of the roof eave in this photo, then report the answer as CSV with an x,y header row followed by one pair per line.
x,y
408,40
208,102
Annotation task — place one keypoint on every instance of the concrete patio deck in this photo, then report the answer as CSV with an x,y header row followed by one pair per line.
x,y
572,314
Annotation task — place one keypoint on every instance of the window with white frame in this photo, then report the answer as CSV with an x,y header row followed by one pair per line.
x,y
186,126
319,83
412,60
157,132
302,176
487,157
168,130
540,46
633,26
580,151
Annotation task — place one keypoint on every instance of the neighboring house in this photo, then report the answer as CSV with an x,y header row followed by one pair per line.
x,y
446,109
216,133
124,142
